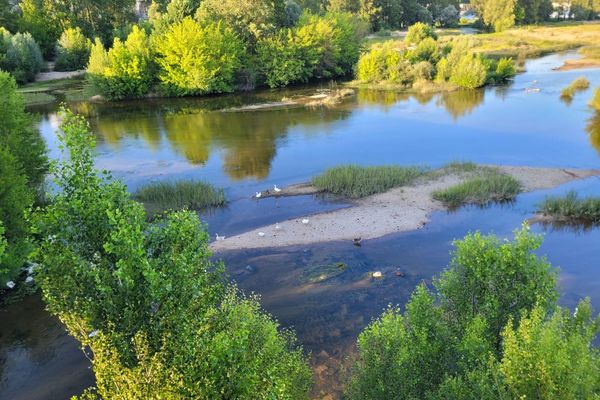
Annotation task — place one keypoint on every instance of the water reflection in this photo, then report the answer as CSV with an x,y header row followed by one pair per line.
x,y
461,102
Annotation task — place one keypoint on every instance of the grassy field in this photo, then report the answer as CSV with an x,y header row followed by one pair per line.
x,y
482,186
354,181
572,209
162,196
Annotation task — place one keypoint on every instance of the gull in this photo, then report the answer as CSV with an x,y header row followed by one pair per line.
x,y
377,274
10,284
276,189
277,226
258,195
305,221
261,234
219,238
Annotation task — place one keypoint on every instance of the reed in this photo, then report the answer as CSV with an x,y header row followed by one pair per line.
x,y
571,208
185,194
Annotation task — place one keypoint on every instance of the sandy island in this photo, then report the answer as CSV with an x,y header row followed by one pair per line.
x,y
397,210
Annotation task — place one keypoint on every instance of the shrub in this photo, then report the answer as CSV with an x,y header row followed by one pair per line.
x,y
146,298
22,57
572,209
321,49
126,70
486,185
355,181
43,25
384,63
196,59
469,73
577,85
180,195
505,69
419,32
449,16
72,50
280,59
292,13
422,70
426,50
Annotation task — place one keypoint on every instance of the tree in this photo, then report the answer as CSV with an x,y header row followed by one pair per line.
x,y
533,11
498,15
157,314
419,32
41,24
352,6
449,16
196,59
72,51
21,56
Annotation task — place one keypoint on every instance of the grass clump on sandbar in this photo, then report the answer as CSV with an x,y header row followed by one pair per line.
x,y
595,102
355,181
179,195
483,185
577,85
571,208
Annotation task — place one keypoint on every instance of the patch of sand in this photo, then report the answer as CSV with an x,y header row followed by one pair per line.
x,y
570,65
55,75
397,210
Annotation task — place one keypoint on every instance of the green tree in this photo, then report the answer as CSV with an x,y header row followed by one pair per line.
x,y
419,32
72,50
533,11
21,56
498,15
196,59
280,59
470,72
145,297
41,24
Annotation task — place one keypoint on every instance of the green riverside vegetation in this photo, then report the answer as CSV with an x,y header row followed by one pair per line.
x,y
491,329
159,316
595,102
577,85
486,185
179,195
572,209
354,181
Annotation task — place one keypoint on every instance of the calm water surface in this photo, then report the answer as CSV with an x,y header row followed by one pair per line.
x,y
248,151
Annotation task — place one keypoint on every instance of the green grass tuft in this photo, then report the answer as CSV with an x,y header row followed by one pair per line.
x,y
162,196
577,85
485,185
595,102
570,208
355,181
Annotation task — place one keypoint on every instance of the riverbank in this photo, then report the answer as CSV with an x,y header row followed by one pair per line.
x,y
397,210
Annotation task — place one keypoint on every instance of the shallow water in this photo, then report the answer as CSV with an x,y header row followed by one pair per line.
x,y
249,151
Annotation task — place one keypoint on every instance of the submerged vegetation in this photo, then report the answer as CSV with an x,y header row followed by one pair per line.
x,y
491,329
572,209
483,186
577,85
354,181
179,195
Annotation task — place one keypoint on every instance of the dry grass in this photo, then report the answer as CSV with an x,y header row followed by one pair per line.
x,y
577,85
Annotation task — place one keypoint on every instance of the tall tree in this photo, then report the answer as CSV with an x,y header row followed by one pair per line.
x,y
497,15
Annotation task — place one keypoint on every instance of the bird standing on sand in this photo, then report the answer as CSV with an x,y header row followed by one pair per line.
x,y
258,195
277,226
219,238
261,234
276,189
305,221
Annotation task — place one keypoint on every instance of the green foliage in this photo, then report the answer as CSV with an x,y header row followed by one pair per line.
x,y
23,164
41,24
355,181
505,69
498,15
126,70
485,186
470,72
426,50
461,342
419,32
552,358
449,16
179,195
595,102
72,50
384,63
577,85
572,209
292,13
145,297
20,55
196,59
280,59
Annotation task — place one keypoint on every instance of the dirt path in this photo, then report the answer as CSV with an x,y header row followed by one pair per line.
x,y
397,210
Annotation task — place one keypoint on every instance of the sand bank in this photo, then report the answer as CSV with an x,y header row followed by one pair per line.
x,y
397,210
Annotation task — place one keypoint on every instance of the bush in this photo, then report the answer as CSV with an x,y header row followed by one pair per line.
x,y
22,56
157,314
72,50
423,70
572,209
470,72
355,181
595,102
426,50
126,70
449,16
196,59
384,63
577,85
419,32
505,69
180,195
280,59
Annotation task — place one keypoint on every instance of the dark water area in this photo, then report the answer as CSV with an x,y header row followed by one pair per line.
x,y
244,152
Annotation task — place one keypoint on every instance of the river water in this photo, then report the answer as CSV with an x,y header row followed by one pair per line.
x,y
142,141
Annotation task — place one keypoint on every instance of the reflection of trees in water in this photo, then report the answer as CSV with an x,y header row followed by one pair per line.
x,y
461,102
249,139
593,129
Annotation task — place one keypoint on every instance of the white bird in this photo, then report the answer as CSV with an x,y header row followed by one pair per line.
x,y
261,234
258,195
219,238
276,189
10,284
94,333
377,274
305,221
277,226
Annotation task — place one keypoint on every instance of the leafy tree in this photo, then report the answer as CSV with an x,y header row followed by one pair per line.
x,y
292,13
280,59
470,72
176,11
72,50
126,70
8,17
449,16
196,59
41,24
419,32
155,311
498,15
23,164
352,6
22,56
533,11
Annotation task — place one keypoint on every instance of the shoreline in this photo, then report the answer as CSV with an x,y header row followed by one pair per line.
x,y
401,209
